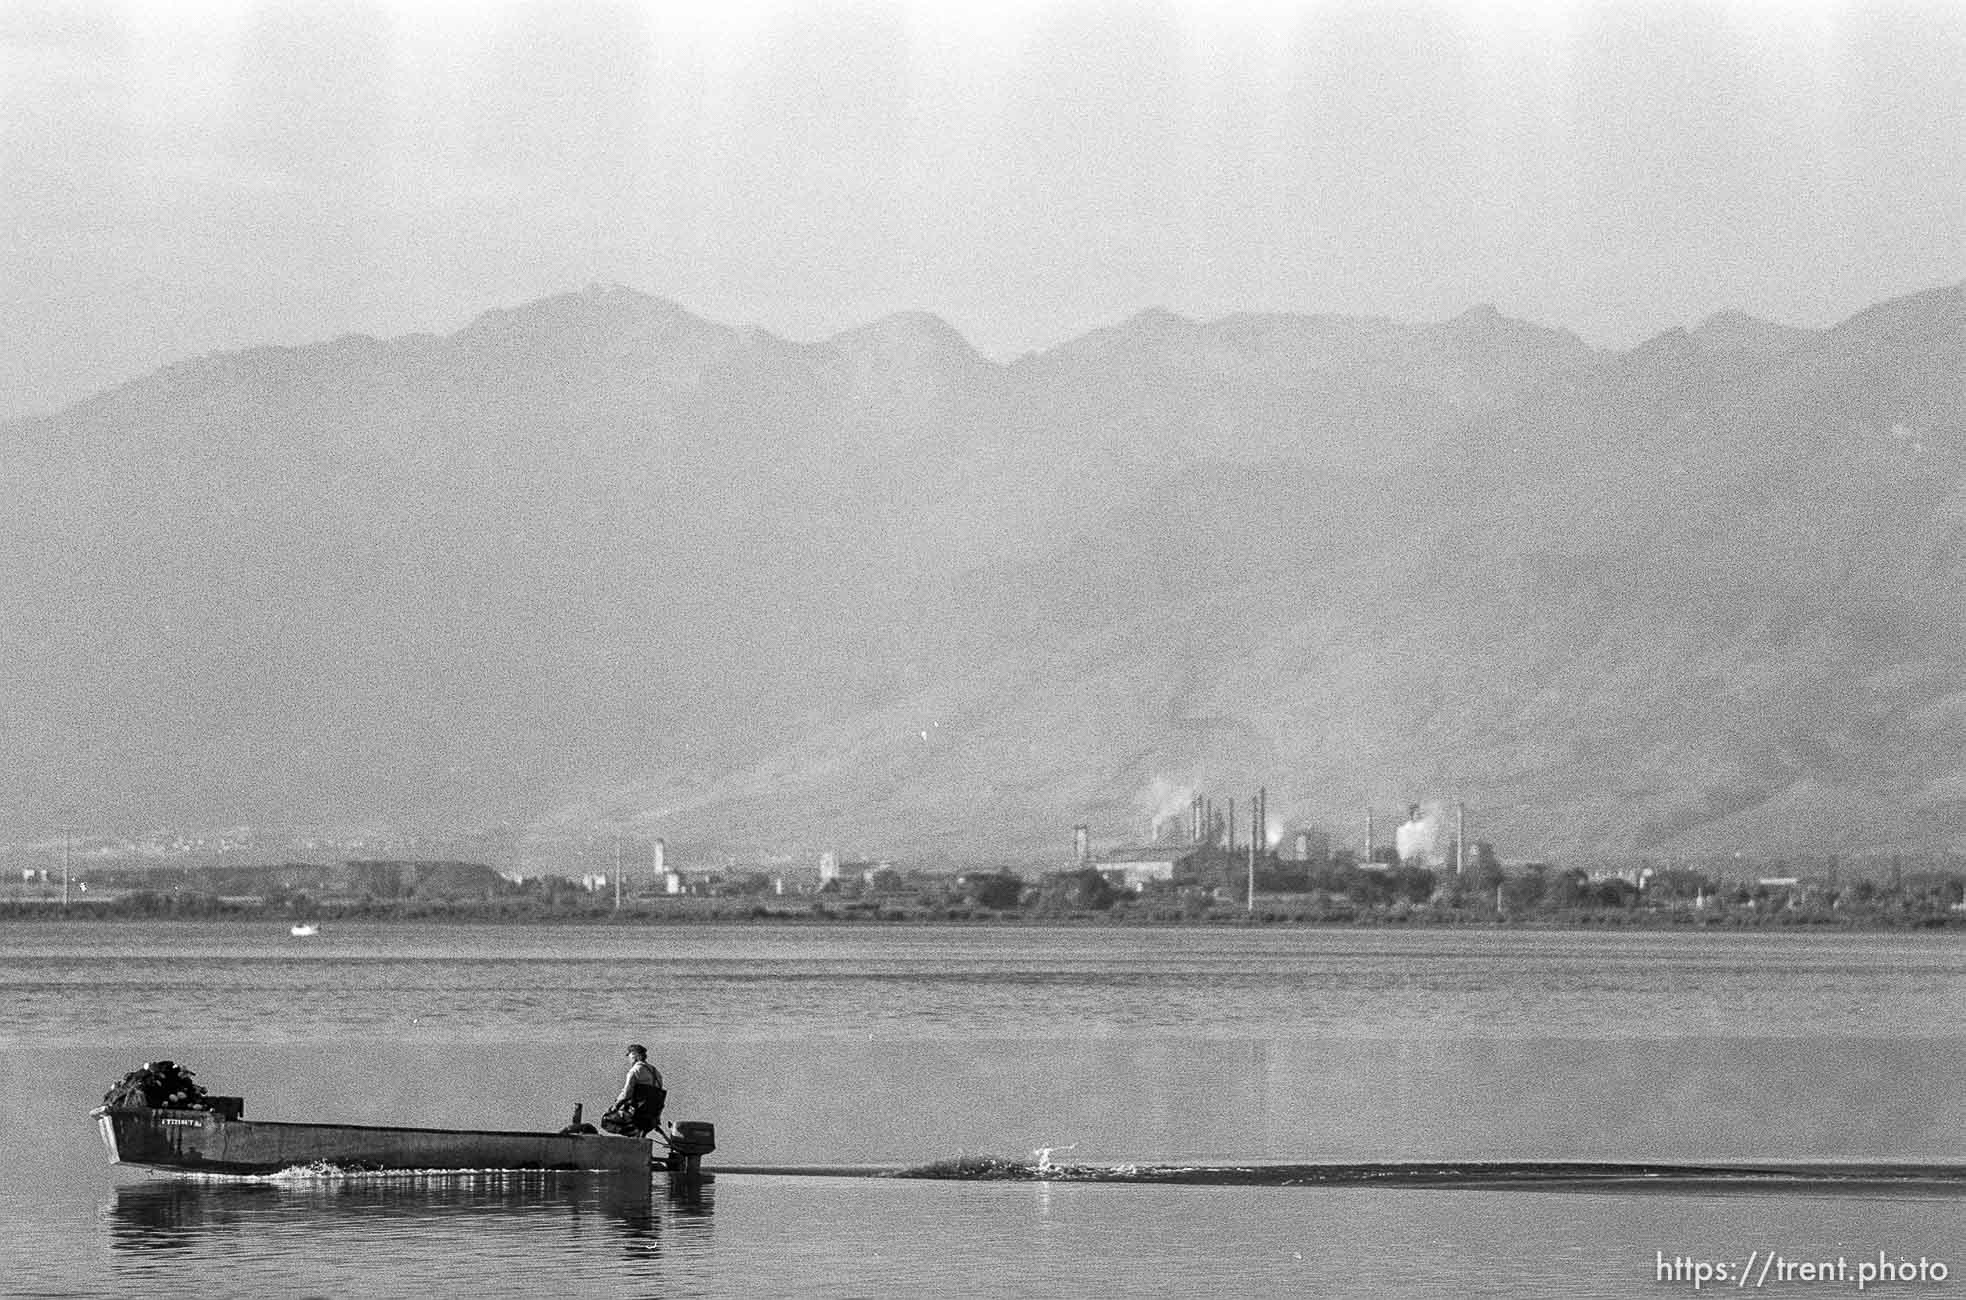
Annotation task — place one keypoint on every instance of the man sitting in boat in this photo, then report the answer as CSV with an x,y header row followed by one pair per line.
x,y
638,1110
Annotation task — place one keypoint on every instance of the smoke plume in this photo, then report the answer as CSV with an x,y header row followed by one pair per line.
x,y
1163,801
1422,837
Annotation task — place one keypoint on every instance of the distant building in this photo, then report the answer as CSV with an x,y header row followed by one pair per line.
x,y
1135,869
1639,876
1312,845
863,871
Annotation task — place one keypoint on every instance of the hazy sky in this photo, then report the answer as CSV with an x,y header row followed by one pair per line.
x,y
176,179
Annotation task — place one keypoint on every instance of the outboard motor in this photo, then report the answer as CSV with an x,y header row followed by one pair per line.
x,y
689,1142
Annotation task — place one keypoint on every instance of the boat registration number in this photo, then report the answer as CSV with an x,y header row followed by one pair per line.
x,y
184,1123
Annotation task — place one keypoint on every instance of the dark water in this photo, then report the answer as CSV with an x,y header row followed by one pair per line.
x,y
822,1047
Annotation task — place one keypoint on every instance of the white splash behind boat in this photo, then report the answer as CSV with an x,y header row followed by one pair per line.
x,y
305,930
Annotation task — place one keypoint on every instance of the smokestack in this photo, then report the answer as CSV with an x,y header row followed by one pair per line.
x,y
1252,874
1082,843
1303,849
661,856
1460,837
1368,835
1232,826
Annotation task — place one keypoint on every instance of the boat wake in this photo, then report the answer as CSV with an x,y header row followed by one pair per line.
x,y
1486,1175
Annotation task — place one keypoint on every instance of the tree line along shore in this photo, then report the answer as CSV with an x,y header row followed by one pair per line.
x,y
1335,894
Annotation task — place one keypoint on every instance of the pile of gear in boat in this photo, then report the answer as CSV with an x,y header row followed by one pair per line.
x,y
632,1118
166,1085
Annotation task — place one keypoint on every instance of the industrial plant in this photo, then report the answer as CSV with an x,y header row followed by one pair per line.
x,y
1210,841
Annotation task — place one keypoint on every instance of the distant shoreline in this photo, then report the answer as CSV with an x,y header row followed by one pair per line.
x,y
1277,914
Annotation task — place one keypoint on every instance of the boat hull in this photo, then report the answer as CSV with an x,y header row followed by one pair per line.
x,y
209,1142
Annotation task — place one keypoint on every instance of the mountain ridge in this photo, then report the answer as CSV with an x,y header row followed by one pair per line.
x,y
596,561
